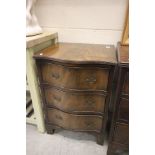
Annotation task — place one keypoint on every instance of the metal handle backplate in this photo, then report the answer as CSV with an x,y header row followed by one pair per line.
x,y
91,80
55,75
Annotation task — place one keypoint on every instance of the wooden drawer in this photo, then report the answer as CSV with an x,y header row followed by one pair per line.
x,y
74,122
125,89
121,133
118,149
75,78
75,102
123,110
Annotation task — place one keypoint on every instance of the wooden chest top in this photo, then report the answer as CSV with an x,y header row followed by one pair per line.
x,y
79,53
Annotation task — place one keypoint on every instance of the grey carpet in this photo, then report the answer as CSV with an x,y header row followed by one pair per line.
x,y
62,143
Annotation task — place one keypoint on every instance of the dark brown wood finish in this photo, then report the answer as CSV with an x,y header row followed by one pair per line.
x,y
74,122
77,53
76,82
120,149
75,77
123,110
75,102
119,134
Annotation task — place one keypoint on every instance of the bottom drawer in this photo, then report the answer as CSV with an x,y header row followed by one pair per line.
x,y
117,149
121,133
74,122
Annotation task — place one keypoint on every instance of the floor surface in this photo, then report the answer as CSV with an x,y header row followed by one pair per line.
x,y
62,143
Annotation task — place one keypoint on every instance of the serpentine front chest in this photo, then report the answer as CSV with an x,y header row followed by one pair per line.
x,y
76,83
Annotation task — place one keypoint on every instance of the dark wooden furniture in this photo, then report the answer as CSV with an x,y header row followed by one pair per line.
x,y
75,82
119,134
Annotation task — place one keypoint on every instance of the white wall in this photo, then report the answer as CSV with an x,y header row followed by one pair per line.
x,y
85,21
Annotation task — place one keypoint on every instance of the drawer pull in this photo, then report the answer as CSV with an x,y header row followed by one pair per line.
x,y
91,80
58,117
90,102
55,75
89,124
57,98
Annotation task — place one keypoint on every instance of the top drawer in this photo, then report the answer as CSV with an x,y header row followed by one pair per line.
x,y
83,78
125,89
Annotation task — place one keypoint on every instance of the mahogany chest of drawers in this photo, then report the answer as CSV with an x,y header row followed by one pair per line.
x,y
119,134
76,82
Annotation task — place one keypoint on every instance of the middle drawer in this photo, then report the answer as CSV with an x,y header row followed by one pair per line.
x,y
82,78
75,101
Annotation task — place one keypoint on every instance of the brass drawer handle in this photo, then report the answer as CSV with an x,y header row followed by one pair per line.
x,y
91,80
90,102
89,124
55,75
58,117
57,98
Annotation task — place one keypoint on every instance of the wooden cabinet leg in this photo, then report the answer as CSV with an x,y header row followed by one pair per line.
x,y
100,139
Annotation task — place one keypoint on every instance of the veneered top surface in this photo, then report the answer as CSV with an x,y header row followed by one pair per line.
x,y
79,53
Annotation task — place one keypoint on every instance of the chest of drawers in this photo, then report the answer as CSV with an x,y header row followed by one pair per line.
x,y
119,134
76,82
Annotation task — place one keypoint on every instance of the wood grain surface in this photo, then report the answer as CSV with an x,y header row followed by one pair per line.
x,y
76,82
75,102
75,122
123,110
75,78
125,89
79,53
123,53
119,134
